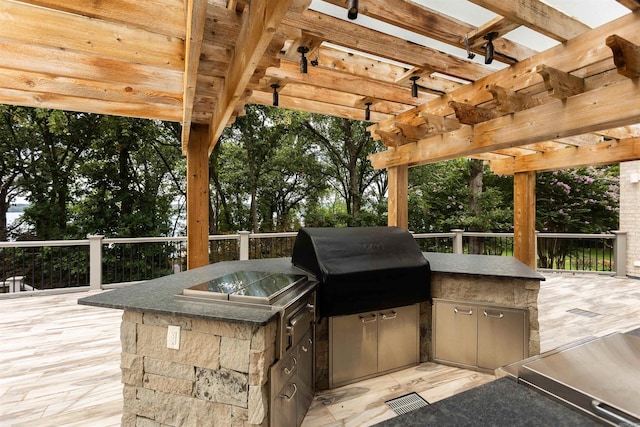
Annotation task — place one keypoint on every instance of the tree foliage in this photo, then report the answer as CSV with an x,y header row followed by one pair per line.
x,y
273,170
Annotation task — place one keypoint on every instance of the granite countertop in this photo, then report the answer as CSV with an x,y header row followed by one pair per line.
x,y
158,295
499,403
480,265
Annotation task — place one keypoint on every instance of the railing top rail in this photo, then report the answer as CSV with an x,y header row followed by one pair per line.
x,y
223,237
143,239
428,235
578,235
43,243
486,234
270,235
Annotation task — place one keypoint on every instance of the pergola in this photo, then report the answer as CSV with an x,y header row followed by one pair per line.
x,y
199,62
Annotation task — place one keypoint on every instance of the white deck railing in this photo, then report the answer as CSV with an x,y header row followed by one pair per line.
x,y
98,262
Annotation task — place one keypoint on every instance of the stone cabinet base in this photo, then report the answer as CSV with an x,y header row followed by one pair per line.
x,y
218,376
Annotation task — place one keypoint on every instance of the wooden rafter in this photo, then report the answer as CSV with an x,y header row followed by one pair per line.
x,y
599,109
373,42
196,17
258,27
626,56
571,157
422,20
586,49
538,16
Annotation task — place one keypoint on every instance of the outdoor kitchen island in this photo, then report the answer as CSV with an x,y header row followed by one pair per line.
x,y
220,372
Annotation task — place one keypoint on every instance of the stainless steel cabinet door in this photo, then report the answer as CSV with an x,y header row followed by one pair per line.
x,y
305,376
354,348
284,408
397,337
455,332
501,336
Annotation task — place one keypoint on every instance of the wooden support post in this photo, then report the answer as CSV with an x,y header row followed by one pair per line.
x,y
524,217
198,197
398,201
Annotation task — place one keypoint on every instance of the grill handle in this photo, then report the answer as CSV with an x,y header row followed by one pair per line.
x,y
289,397
469,311
373,318
289,371
493,315
393,315
610,415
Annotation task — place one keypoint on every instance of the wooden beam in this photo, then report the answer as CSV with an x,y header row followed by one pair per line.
x,y
583,51
97,106
524,218
422,20
604,108
158,16
470,114
626,56
438,124
538,16
290,71
196,17
398,200
198,198
258,27
571,157
318,107
393,139
509,101
559,84
39,26
383,45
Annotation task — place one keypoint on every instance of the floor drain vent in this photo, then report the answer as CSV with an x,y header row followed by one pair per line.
x,y
407,403
581,312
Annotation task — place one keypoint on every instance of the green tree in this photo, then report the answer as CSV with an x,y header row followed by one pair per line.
x,y
441,198
344,147
15,137
132,175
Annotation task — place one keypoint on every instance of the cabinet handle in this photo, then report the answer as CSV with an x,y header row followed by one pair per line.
x,y
392,316
596,405
493,316
311,308
305,349
289,371
295,389
373,318
466,313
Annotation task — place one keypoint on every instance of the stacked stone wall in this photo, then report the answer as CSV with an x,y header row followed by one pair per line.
x,y
218,376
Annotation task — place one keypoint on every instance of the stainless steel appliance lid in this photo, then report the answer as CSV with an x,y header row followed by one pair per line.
x,y
606,369
259,284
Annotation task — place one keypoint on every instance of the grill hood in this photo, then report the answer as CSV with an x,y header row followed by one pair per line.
x,y
363,268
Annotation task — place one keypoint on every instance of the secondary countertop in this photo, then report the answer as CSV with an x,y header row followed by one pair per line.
x,y
480,265
499,403
158,295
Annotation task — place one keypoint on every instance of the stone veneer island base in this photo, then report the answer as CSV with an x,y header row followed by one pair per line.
x,y
219,375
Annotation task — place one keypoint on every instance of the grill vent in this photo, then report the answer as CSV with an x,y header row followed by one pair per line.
x,y
407,403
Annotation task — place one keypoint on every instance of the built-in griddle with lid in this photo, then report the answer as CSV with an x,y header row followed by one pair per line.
x,y
363,268
257,287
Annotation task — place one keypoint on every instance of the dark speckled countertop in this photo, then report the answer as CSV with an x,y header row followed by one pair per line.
x,y
499,403
481,265
158,295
